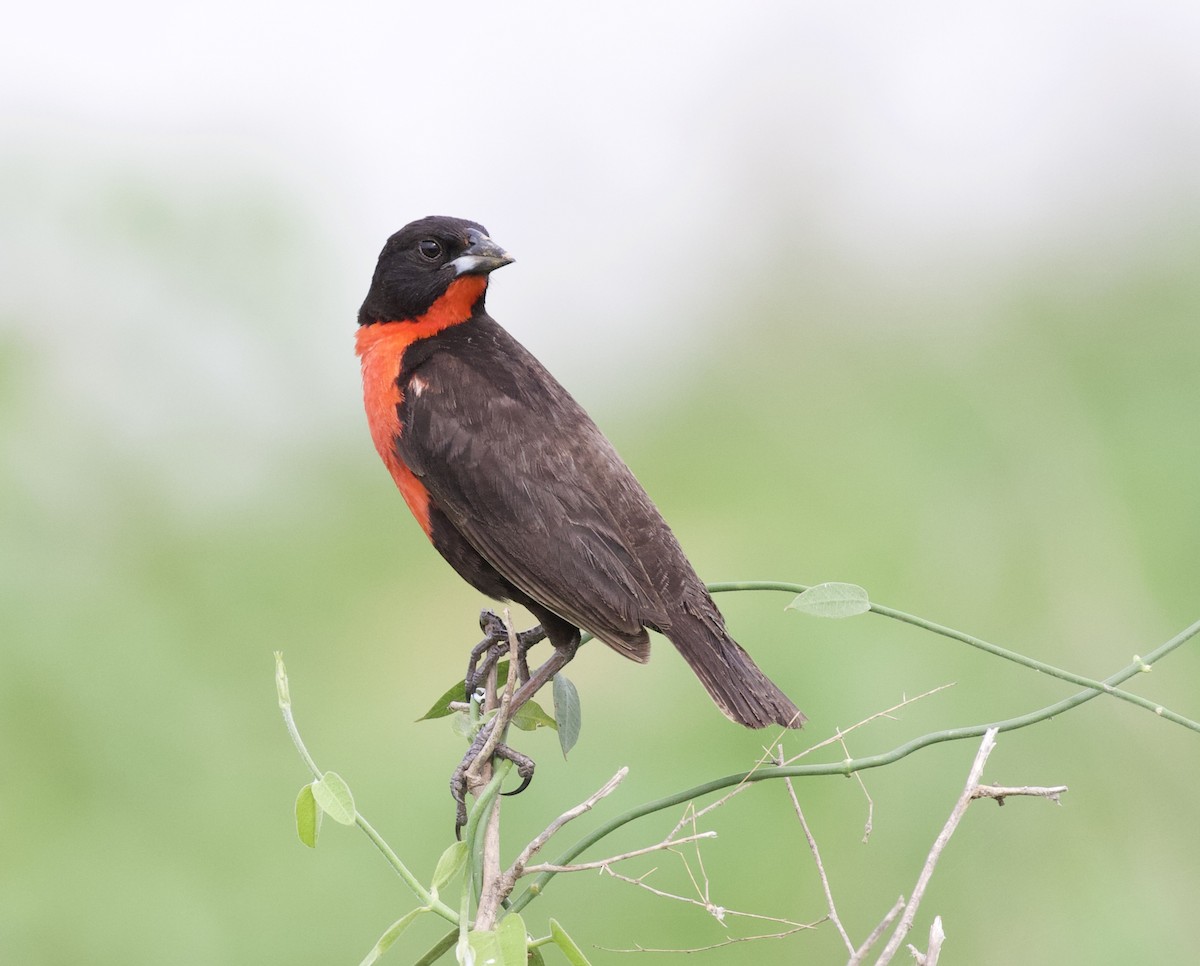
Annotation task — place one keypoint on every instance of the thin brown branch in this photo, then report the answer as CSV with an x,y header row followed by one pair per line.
x,y
816,854
717,912
884,924
662,846
518,868
869,825
691,813
704,891
939,845
731,941
1001,792
840,733
937,936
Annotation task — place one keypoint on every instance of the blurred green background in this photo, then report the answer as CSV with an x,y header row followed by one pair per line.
x,y
907,298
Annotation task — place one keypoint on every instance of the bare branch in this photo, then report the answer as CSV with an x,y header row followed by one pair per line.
x,y
840,733
770,758
1001,792
732,940
816,854
664,845
869,826
861,953
937,936
960,809
518,868
691,813
717,912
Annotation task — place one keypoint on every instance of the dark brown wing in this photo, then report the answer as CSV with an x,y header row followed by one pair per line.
x,y
526,478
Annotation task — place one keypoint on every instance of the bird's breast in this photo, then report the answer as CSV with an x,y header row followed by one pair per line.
x,y
381,351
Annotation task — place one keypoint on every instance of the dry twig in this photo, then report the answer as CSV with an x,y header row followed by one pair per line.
x,y
937,936
960,809
664,845
519,866
816,854
1001,792
731,941
884,924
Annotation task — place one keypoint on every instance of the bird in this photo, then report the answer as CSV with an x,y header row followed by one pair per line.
x,y
515,485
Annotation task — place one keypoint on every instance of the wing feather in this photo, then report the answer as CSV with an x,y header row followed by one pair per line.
x,y
525,476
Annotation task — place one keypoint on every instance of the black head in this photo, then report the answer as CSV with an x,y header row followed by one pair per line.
x,y
419,262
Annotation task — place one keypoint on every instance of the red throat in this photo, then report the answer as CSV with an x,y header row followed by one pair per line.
x,y
381,347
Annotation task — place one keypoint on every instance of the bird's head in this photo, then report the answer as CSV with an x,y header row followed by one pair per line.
x,y
422,260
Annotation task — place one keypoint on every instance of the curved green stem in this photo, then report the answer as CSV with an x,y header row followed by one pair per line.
x,y
439,949
978,643
415,884
850,766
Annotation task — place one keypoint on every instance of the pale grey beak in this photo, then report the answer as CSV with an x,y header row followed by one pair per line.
x,y
482,257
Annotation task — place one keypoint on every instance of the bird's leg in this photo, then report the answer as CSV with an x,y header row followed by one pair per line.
x,y
494,646
526,640
489,649
460,780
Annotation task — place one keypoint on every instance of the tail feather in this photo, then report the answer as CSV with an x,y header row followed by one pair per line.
x,y
734,681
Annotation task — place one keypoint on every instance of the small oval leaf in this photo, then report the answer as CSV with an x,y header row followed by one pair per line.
x,y
441,707
390,936
462,725
832,600
514,941
281,682
483,947
449,865
568,946
308,817
333,796
531,716
566,712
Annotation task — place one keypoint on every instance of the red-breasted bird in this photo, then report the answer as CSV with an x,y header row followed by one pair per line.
x,y
513,482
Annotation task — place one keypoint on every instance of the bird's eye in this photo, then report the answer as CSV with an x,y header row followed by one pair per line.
x,y
431,249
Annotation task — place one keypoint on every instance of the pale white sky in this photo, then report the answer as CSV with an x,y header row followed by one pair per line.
x,y
641,160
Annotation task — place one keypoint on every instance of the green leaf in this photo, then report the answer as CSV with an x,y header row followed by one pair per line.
x,y
832,600
531,716
514,940
566,712
308,817
441,707
485,946
462,725
564,942
535,957
449,865
332,794
390,936
281,682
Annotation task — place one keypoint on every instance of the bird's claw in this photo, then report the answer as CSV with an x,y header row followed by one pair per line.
x,y
460,780
494,646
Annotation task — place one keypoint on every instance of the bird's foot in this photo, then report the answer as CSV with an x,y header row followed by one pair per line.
x,y
494,646
466,775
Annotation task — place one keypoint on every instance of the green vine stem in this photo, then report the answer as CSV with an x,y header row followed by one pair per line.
x,y
427,899
852,765
976,642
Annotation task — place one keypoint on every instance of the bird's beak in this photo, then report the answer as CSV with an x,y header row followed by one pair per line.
x,y
482,257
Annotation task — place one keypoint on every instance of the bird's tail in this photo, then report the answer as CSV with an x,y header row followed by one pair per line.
x,y
738,687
